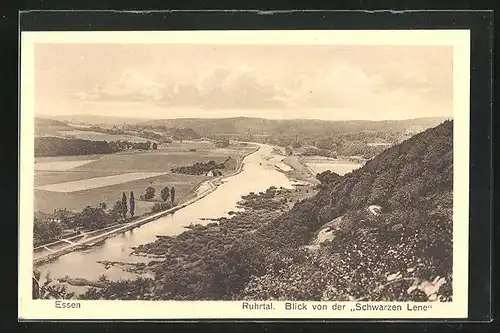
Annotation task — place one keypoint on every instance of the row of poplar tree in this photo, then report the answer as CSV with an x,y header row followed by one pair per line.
x,y
121,207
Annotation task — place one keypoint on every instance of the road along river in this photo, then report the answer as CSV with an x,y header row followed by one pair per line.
x,y
258,174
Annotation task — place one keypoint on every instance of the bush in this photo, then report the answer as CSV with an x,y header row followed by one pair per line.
x,y
150,193
161,206
46,231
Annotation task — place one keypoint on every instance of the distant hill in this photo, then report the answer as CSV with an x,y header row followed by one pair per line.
x,y
334,138
49,127
345,138
92,119
258,126
261,126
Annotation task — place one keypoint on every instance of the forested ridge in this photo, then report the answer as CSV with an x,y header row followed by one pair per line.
x,y
307,136
55,146
242,125
374,257
267,252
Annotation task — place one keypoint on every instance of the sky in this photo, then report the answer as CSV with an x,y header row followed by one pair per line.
x,y
328,82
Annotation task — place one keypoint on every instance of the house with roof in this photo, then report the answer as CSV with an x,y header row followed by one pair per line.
x,y
213,173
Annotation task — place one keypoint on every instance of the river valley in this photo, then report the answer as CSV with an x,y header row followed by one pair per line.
x,y
258,173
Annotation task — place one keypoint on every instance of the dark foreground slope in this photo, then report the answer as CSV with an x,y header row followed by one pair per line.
x,y
401,252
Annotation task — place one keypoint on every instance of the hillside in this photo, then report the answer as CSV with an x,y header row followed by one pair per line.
x,y
258,126
382,232
94,119
402,253
306,136
261,126
344,138
49,127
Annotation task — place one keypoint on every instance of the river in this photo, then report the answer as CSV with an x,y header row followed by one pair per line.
x,y
258,174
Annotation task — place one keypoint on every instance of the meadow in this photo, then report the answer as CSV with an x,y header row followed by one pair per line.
x,y
47,201
152,161
60,165
99,136
298,170
318,164
74,182
92,183
43,177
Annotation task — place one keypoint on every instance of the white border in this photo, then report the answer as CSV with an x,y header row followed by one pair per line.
x,y
29,309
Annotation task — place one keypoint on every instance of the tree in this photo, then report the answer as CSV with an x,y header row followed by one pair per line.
x,y
172,194
50,289
124,205
117,211
132,204
296,144
165,193
150,193
159,206
45,231
91,218
222,143
328,176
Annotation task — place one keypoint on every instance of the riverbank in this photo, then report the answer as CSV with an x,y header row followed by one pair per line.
x,y
300,171
185,259
90,241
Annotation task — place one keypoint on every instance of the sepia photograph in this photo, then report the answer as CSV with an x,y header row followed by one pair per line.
x,y
281,175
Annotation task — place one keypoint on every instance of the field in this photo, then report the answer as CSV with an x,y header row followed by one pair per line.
x,y
299,170
91,183
319,164
339,168
72,158
155,161
72,182
47,201
55,177
98,136
60,165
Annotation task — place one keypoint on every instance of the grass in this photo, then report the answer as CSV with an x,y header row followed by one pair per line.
x,y
54,177
47,201
98,136
186,145
48,159
340,166
152,161
299,172
92,183
161,160
60,165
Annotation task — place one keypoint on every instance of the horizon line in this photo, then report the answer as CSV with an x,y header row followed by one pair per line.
x,y
49,116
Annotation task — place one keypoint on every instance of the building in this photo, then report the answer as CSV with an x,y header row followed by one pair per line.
x,y
58,215
213,173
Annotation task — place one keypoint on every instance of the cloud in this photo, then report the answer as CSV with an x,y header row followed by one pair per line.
x,y
130,86
240,88
218,88
341,85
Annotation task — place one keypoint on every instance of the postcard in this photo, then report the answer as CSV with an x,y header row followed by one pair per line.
x,y
186,175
